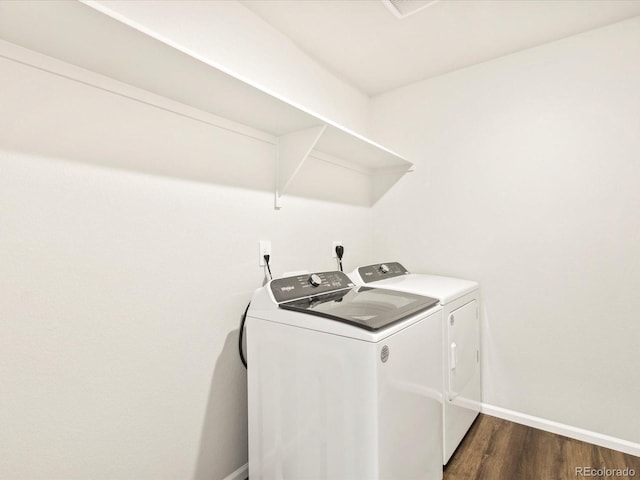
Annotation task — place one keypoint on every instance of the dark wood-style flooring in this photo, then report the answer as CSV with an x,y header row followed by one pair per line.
x,y
496,449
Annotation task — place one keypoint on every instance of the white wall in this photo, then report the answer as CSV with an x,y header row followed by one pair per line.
x,y
121,291
527,180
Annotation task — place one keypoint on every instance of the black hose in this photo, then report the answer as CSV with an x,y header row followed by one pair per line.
x,y
241,336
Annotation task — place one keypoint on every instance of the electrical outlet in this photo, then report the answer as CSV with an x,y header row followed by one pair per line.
x,y
265,249
333,248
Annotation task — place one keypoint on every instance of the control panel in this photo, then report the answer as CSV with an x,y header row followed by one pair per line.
x,y
380,271
291,288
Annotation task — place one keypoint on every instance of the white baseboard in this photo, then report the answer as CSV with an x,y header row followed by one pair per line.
x,y
562,429
239,474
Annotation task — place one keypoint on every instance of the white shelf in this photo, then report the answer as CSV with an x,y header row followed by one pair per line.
x,y
75,41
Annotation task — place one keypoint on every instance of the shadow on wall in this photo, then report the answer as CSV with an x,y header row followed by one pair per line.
x,y
223,442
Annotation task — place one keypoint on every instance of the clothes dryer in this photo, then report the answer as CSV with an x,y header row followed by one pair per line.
x,y
461,379
343,381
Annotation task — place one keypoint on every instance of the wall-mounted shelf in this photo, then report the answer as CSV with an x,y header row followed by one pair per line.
x,y
158,74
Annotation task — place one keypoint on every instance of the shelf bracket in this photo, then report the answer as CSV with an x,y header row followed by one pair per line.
x,y
385,178
292,150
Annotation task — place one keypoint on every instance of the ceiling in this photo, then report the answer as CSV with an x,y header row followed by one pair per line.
x,y
363,43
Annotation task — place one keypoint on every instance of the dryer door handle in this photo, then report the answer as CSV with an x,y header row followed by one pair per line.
x,y
453,355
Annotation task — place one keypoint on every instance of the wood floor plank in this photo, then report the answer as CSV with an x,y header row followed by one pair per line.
x,y
496,449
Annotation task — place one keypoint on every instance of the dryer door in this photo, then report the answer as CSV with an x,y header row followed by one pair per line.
x,y
463,344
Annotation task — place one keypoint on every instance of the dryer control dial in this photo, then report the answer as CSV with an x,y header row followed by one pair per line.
x,y
315,280
383,268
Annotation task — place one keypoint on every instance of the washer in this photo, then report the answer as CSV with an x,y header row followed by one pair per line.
x,y
342,384
460,300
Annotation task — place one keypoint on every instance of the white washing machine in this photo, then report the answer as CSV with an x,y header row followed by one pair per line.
x,y
460,300
343,381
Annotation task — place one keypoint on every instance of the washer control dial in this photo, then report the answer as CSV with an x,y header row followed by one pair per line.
x,y
315,280
384,269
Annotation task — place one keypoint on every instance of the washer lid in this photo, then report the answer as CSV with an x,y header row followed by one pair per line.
x,y
368,308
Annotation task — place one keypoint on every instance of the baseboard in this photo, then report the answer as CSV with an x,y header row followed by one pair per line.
x,y
239,474
562,429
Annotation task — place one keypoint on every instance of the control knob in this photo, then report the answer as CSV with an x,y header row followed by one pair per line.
x,y
383,268
315,280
